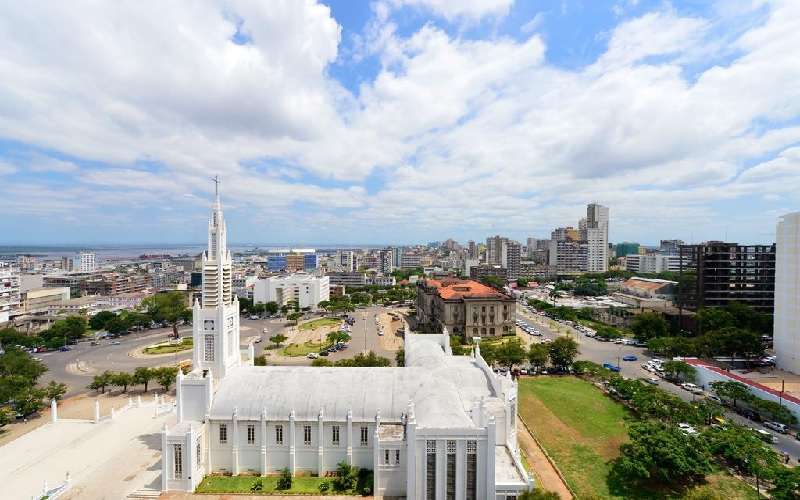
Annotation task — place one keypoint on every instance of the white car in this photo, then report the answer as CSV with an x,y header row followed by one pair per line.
x,y
687,429
312,355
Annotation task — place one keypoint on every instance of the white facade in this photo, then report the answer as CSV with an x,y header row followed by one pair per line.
x,y
596,238
307,290
9,292
87,262
653,263
786,334
441,427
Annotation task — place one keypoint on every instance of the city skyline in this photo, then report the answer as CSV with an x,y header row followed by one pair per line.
x,y
693,133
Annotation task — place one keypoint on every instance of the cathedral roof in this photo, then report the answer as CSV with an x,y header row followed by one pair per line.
x,y
443,388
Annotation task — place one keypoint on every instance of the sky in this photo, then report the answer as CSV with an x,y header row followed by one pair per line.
x,y
397,121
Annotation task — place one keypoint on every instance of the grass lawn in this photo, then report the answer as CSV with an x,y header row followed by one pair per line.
x,y
185,345
242,484
302,349
319,322
582,430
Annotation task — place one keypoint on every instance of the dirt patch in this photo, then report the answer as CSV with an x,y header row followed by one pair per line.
x,y
391,340
546,474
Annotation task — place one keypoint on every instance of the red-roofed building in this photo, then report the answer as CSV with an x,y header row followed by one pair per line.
x,y
464,307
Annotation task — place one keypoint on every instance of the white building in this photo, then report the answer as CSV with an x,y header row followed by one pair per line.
x,y
9,292
652,263
441,427
786,333
307,290
596,238
87,262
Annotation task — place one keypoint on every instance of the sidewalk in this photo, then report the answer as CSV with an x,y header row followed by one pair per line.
x,y
548,477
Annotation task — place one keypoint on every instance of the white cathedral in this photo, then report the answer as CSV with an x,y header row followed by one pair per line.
x,y
442,427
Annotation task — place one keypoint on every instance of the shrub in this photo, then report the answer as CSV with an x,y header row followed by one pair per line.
x,y
285,481
324,486
346,477
258,485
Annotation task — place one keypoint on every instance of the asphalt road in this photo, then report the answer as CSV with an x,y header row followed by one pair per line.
x,y
608,352
117,357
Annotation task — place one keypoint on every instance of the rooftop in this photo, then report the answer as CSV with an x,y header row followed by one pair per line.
x,y
453,288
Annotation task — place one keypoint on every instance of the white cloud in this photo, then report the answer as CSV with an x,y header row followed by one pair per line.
x,y
7,168
461,9
473,136
533,24
45,164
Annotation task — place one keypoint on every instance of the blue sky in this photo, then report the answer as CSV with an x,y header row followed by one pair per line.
x,y
398,121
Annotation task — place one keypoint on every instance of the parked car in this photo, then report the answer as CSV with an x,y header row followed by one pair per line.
x,y
777,427
64,349
629,357
613,368
687,429
652,380
766,436
253,317
258,340
312,355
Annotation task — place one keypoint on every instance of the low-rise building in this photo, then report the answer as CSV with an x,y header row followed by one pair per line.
x,y
44,300
348,279
122,301
465,308
305,289
9,292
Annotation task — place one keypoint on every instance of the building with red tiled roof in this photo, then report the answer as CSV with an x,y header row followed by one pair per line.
x,y
464,307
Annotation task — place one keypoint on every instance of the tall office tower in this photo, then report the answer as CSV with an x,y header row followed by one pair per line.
x,y
596,238
714,274
385,261
215,320
530,247
87,262
9,291
345,261
397,257
786,333
510,258
494,250
670,247
472,250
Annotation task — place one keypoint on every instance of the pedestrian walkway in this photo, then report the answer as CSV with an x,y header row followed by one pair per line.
x,y
105,460
548,477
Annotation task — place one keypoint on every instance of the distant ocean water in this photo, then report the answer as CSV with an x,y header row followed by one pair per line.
x,y
116,252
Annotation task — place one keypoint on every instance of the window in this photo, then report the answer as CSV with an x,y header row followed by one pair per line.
x,y
279,434
209,348
430,470
364,436
251,434
335,435
397,457
223,433
307,435
177,459
386,457
450,493
199,455
472,470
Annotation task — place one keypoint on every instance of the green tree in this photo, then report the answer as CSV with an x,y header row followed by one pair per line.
x,y
712,318
400,357
324,305
522,282
117,325
6,415
346,477
562,352
511,353
101,381
649,325
278,339
166,307
54,390
260,360
99,320
321,362
680,370
361,359
663,453
165,376
538,355
271,308
538,494
29,400
122,379
338,337
732,391
742,449
143,375
284,480
295,316
786,484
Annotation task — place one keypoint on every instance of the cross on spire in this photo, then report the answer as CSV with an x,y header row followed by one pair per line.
x,y
216,184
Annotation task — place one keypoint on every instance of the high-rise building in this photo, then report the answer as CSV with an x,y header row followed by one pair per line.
x,y
304,289
215,318
715,273
511,258
626,248
494,250
670,247
472,250
385,261
9,292
786,333
87,262
596,238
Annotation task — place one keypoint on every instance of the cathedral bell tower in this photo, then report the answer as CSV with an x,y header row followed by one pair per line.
x,y
215,318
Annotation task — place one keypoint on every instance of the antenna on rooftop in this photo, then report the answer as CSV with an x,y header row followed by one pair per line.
x,y
216,184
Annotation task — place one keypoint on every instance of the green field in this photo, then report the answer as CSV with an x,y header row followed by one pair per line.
x,y
185,345
304,349
582,430
242,484
320,322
